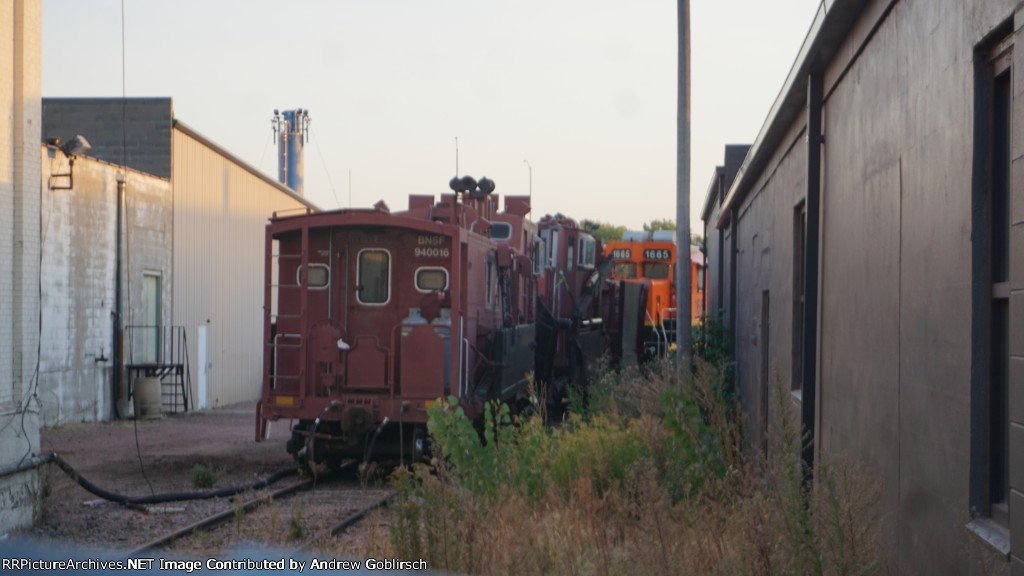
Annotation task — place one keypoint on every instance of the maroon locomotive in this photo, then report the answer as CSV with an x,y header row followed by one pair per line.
x,y
372,315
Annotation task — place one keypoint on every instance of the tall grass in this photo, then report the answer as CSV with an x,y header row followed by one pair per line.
x,y
655,479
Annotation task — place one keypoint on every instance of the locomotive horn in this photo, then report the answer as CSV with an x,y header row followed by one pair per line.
x,y
455,184
468,183
486,185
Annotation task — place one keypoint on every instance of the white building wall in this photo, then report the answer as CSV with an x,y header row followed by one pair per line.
x,y
221,208
21,101
77,289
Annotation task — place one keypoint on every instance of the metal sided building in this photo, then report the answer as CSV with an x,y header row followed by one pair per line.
x,y
20,97
877,230
221,209
220,206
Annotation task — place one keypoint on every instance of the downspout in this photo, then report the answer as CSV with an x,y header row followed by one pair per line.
x,y
720,288
810,346
734,250
117,346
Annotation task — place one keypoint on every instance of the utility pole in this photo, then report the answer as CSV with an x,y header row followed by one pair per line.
x,y
684,336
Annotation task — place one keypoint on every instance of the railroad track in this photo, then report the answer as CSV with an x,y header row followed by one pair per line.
x,y
350,520
315,508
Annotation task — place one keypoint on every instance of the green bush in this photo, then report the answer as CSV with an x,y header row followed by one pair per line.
x,y
652,475
202,477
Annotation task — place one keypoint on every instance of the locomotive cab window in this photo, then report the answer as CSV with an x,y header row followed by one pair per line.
x,y
587,251
431,279
373,276
489,291
625,270
318,275
656,270
501,231
539,252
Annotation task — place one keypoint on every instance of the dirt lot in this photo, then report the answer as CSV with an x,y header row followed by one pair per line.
x,y
139,458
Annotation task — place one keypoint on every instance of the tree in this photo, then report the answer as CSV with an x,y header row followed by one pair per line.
x,y
603,231
660,224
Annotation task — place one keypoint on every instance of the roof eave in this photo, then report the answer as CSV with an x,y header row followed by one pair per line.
x,y
829,29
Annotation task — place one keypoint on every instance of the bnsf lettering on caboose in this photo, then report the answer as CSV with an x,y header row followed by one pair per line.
x,y
622,254
431,246
657,254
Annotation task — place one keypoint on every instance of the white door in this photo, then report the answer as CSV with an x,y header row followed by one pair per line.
x,y
152,325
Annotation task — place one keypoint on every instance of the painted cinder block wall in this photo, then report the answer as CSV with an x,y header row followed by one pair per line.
x,y
20,99
893,352
220,206
79,259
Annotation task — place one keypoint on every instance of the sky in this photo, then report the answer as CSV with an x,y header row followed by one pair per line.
x,y
574,100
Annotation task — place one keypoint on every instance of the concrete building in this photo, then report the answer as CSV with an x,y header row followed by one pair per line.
x,y
20,99
877,227
217,210
715,259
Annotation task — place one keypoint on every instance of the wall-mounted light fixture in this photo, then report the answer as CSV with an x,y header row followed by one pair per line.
x,y
72,148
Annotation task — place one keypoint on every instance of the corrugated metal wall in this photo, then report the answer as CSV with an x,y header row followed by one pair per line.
x,y
220,211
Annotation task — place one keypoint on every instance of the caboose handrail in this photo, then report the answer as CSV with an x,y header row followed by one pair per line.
x,y
277,364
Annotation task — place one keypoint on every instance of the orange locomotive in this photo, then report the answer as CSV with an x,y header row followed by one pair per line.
x,y
644,265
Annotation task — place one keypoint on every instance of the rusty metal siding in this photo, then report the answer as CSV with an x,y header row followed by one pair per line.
x,y
220,212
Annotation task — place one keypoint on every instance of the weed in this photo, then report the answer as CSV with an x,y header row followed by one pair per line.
x,y
651,476
296,523
202,477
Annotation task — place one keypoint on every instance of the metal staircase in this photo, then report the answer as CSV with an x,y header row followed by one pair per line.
x,y
161,352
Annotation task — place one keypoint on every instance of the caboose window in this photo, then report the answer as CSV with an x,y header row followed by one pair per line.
x,y
373,276
501,230
587,251
319,276
431,279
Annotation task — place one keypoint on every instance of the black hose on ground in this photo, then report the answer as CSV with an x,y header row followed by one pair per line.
x,y
159,498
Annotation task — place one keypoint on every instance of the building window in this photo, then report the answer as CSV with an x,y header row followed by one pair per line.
x,y
431,280
799,286
990,333
373,276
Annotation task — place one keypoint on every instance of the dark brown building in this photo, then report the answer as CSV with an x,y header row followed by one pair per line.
x,y
872,250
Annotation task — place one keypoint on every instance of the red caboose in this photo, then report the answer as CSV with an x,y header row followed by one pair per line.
x,y
371,315
571,306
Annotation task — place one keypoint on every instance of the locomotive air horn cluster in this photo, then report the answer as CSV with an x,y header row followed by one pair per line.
x,y
469,185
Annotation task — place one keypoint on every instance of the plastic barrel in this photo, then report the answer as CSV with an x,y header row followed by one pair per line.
x,y
147,398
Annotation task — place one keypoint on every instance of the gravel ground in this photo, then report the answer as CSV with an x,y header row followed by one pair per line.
x,y
139,458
